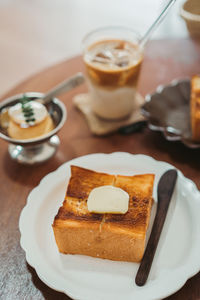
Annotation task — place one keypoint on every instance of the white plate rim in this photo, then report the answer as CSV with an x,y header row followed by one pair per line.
x,y
190,268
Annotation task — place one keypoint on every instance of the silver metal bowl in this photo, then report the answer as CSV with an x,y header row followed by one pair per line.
x,y
40,149
168,110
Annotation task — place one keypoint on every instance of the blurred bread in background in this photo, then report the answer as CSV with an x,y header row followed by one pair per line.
x,y
195,108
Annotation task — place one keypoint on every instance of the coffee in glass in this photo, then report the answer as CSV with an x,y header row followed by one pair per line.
x,y
113,60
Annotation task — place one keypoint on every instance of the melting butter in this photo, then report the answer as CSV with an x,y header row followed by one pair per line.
x,y
108,199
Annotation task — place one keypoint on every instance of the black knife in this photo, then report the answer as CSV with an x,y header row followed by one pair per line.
x,y
165,190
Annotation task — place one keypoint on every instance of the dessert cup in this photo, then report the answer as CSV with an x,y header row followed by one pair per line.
x,y
39,149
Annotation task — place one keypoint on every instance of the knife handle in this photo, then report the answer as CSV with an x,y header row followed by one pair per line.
x,y
164,197
145,266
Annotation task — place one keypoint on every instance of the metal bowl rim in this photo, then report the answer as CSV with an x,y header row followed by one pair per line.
x,y
148,98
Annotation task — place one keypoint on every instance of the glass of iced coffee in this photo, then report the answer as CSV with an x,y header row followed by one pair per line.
x,y
113,58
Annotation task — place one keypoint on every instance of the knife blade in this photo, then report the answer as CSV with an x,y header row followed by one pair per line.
x,y
164,191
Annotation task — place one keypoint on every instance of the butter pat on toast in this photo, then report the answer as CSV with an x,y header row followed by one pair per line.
x,y
195,108
112,236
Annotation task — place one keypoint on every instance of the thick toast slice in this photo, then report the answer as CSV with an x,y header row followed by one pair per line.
x,y
112,236
195,108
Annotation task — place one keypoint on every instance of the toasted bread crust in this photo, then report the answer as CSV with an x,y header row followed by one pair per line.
x,y
82,181
111,236
195,108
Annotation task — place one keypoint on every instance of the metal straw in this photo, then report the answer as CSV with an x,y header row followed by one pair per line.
x,y
156,23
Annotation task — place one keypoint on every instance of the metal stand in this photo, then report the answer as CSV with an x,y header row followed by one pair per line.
x,y
35,154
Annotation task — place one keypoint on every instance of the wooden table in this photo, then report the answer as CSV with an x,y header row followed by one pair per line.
x,y
164,61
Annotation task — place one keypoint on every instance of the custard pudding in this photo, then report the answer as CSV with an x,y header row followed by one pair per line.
x,y
28,122
113,68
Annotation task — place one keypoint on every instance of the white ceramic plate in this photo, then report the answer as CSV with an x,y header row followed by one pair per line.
x,y
81,277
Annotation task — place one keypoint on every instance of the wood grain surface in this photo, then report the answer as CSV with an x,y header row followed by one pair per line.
x,y
164,61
